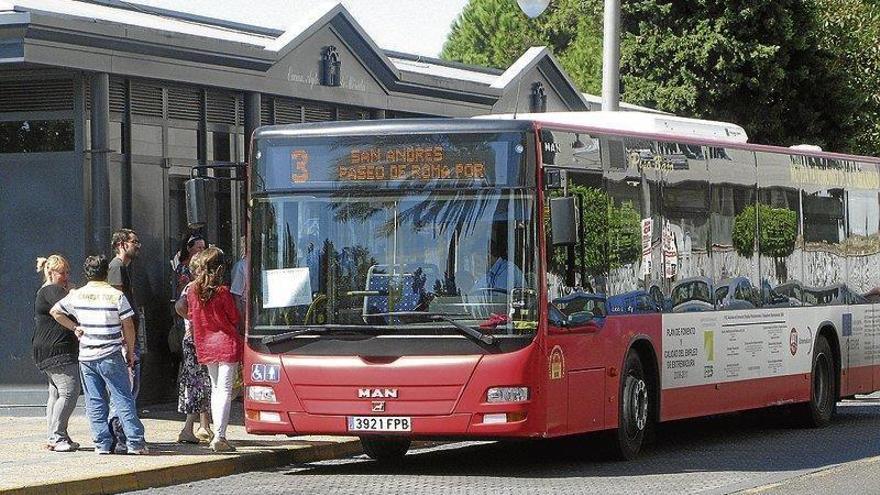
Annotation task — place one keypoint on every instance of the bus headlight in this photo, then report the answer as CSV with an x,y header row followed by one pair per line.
x,y
507,394
261,394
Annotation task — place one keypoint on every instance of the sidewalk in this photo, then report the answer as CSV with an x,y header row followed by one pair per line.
x,y
26,468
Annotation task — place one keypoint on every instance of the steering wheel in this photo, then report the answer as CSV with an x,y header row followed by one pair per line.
x,y
312,311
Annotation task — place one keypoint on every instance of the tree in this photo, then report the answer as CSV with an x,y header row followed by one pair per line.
x,y
851,30
788,71
777,234
609,235
757,63
495,33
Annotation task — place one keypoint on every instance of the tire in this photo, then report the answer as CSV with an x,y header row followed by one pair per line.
x,y
633,410
386,450
819,411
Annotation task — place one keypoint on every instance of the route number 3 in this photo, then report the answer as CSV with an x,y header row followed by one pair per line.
x,y
299,165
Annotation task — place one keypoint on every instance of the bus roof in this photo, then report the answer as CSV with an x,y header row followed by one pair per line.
x,y
391,126
641,122
624,124
666,128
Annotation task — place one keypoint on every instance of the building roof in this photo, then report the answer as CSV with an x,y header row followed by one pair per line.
x,y
125,27
145,17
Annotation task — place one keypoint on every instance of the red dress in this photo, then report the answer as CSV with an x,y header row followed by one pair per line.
x,y
214,325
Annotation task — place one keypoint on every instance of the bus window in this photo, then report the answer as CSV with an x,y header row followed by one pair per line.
x,y
779,233
687,212
823,182
633,191
863,234
733,216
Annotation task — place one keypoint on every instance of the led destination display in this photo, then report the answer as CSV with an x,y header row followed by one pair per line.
x,y
474,160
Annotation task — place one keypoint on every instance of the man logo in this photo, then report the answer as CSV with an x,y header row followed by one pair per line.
x,y
379,406
377,393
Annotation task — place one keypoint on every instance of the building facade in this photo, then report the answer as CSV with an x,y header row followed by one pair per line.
x,y
105,109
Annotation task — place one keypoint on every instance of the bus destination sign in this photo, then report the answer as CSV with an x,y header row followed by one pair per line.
x,y
449,160
408,163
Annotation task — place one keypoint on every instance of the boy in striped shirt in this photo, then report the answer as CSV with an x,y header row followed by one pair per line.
x,y
106,323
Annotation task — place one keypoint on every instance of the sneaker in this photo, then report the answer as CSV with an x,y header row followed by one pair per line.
x,y
65,446
221,445
204,434
102,451
139,451
187,436
120,448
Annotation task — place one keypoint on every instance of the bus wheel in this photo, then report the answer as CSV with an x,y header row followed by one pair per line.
x,y
633,410
819,411
385,449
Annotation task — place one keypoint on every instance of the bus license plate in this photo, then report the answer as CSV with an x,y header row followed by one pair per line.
x,y
379,423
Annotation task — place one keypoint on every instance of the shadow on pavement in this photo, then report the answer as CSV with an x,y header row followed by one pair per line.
x,y
757,441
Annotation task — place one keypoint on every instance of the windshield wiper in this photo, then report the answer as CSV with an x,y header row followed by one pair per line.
x,y
318,329
469,331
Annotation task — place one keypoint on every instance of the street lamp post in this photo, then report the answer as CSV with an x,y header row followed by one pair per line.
x,y
611,57
610,48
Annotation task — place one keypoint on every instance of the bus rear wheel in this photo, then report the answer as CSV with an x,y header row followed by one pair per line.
x,y
823,390
385,449
633,410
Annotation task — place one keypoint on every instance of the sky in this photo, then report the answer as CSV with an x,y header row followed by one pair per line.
x,y
419,27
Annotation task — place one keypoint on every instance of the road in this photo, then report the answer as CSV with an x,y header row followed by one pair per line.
x,y
752,452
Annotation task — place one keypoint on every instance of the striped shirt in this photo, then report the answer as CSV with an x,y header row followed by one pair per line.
x,y
99,309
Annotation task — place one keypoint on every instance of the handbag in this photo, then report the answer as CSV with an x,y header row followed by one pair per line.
x,y
175,336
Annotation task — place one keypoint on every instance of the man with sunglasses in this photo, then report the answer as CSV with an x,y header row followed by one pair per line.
x,y
126,247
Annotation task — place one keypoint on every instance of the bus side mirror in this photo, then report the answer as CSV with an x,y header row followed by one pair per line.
x,y
196,202
564,221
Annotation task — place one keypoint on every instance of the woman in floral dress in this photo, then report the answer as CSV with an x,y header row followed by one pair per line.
x,y
193,381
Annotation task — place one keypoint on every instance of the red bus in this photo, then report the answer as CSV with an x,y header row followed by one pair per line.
x,y
551,275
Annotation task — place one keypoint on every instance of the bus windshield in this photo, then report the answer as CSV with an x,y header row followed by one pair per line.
x,y
402,261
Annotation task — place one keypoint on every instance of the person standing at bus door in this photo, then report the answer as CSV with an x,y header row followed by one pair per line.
x,y
236,285
126,247
56,353
211,308
104,327
193,382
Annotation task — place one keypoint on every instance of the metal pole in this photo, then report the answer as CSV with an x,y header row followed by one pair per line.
x,y
611,57
100,182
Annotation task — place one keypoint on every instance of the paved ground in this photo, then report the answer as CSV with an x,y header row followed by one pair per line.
x,y
26,468
717,455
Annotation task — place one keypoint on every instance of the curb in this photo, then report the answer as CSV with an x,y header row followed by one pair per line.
x,y
175,475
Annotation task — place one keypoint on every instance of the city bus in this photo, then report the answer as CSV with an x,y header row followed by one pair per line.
x,y
548,275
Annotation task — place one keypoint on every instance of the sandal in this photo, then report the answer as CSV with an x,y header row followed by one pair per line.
x,y
187,437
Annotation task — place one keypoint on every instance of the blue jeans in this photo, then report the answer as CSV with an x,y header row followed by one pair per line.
x,y
99,377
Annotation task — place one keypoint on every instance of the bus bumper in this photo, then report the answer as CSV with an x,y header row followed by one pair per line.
x,y
466,425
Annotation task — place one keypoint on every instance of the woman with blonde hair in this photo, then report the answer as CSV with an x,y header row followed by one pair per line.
x,y
56,352
211,309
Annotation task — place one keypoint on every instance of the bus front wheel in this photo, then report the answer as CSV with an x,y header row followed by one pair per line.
x,y
385,449
633,410
823,390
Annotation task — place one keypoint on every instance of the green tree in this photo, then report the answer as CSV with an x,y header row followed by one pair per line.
x,y
851,31
495,33
609,235
777,234
788,71
757,63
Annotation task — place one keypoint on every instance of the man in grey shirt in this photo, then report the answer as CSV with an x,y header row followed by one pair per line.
x,y
126,247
